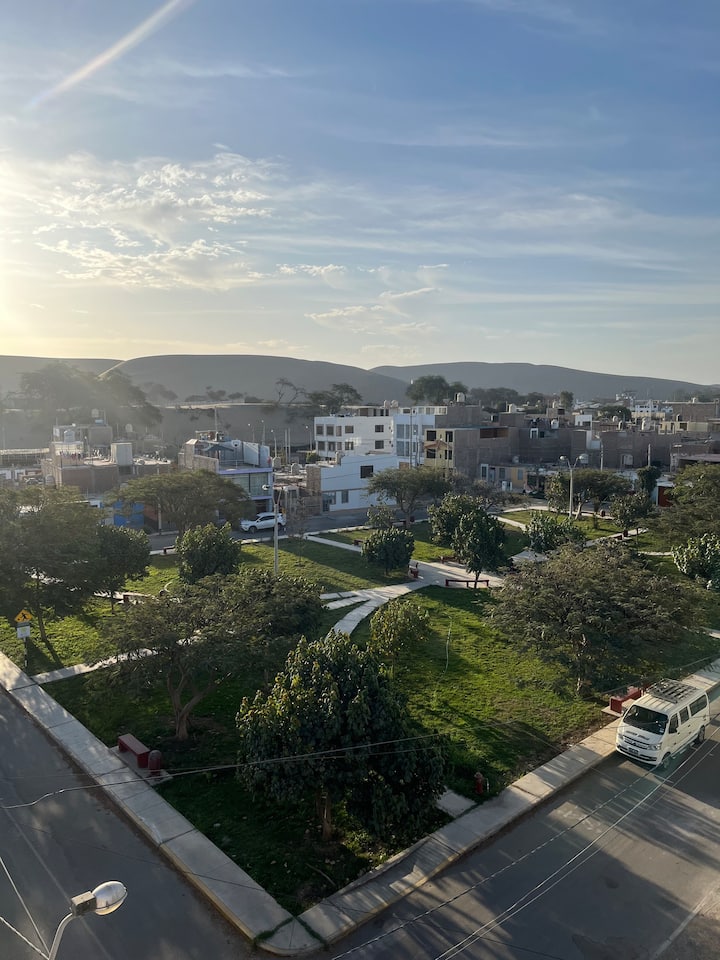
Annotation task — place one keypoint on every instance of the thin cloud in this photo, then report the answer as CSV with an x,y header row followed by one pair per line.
x,y
131,40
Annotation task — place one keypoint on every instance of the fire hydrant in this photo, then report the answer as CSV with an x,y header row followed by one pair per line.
x,y
481,784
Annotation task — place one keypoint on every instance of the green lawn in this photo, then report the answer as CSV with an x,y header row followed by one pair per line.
x,y
504,713
427,551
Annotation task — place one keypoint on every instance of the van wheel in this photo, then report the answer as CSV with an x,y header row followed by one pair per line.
x,y
665,762
700,736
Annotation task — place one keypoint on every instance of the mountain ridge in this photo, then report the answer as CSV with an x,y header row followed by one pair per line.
x,y
260,375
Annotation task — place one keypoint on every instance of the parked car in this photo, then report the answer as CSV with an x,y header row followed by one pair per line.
x,y
263,521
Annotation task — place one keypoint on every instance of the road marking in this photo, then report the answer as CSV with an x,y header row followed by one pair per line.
x,y
679,929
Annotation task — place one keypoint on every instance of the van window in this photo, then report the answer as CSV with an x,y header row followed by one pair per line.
x,y
697,706
684,715
673,724
645,719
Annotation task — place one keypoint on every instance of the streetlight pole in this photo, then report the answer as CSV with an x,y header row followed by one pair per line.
x,y
583,459
276,556
102,900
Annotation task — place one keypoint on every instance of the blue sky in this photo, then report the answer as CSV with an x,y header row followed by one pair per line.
x,y
400,181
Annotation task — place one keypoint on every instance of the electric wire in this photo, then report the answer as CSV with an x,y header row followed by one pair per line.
x,y
518,860
23,903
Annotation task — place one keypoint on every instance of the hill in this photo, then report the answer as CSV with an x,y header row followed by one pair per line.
x,y
541,378
12,368
256,376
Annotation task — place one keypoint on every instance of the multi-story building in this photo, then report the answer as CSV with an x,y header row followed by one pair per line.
x,y
247,464
342,485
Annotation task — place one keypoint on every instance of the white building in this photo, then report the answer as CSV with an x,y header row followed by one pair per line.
x,y
389,429
342,484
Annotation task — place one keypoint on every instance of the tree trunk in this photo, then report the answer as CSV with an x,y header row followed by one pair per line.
x,y
323,807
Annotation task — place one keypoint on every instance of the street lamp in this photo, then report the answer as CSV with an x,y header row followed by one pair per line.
x,y
102,900
276,558
581,459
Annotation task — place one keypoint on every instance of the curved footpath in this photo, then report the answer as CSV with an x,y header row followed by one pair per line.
x,y
235,894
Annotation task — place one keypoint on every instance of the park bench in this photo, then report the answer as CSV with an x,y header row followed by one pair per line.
x,y
468,583
127,743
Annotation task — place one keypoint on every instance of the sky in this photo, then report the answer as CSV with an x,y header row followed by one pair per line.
x,y
366,182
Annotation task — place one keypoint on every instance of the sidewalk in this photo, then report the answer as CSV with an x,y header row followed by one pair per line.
x,y
244,902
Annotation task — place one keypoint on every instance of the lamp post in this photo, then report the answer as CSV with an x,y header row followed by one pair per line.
x,y
582,459
102,900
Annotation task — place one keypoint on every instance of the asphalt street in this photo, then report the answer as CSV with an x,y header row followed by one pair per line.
x,y
59,838
614,869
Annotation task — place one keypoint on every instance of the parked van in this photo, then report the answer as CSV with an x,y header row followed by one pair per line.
x,y
667,717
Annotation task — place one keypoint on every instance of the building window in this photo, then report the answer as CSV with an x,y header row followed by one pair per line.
x,y
379,444
501,473
379,428
321,444
366,471
520,473
449,436
319,429
349,429
345,496
331,446
338,431
348,444
431,435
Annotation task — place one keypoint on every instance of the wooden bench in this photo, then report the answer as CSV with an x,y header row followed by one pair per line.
x,y
468,583
127,743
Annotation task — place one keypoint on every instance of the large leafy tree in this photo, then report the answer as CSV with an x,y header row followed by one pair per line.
x,y
213,631
408,486
55,550
694,503
338,396
187,498
59,387
389,548
206,551
589,485
445,516
478,542
333,727
700,558
395,626
629,508
430,389
122,554
598,614
547,532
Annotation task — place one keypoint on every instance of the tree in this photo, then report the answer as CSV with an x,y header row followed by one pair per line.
x,y
617,411
445,516
206,551
431,389
628,508
597,486
187,498
597,613
647,478
548,532
334,727
478,542
396,625
381,516
338,396
55,551
389,548
495,399
567,400
407,486
213,631
694,504
700,559
122,554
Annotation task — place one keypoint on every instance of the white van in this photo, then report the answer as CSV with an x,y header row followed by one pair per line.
x,y
668,716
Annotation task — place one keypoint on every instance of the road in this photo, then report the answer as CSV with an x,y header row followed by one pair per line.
x,y
613,869
70,842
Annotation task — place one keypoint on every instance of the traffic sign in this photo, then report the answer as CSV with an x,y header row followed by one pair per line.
x,y
23,631
24,617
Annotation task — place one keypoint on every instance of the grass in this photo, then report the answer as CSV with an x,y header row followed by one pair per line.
x,y
425,550
503,712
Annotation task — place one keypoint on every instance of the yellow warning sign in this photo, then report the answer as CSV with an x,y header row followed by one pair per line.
x,y
23,617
